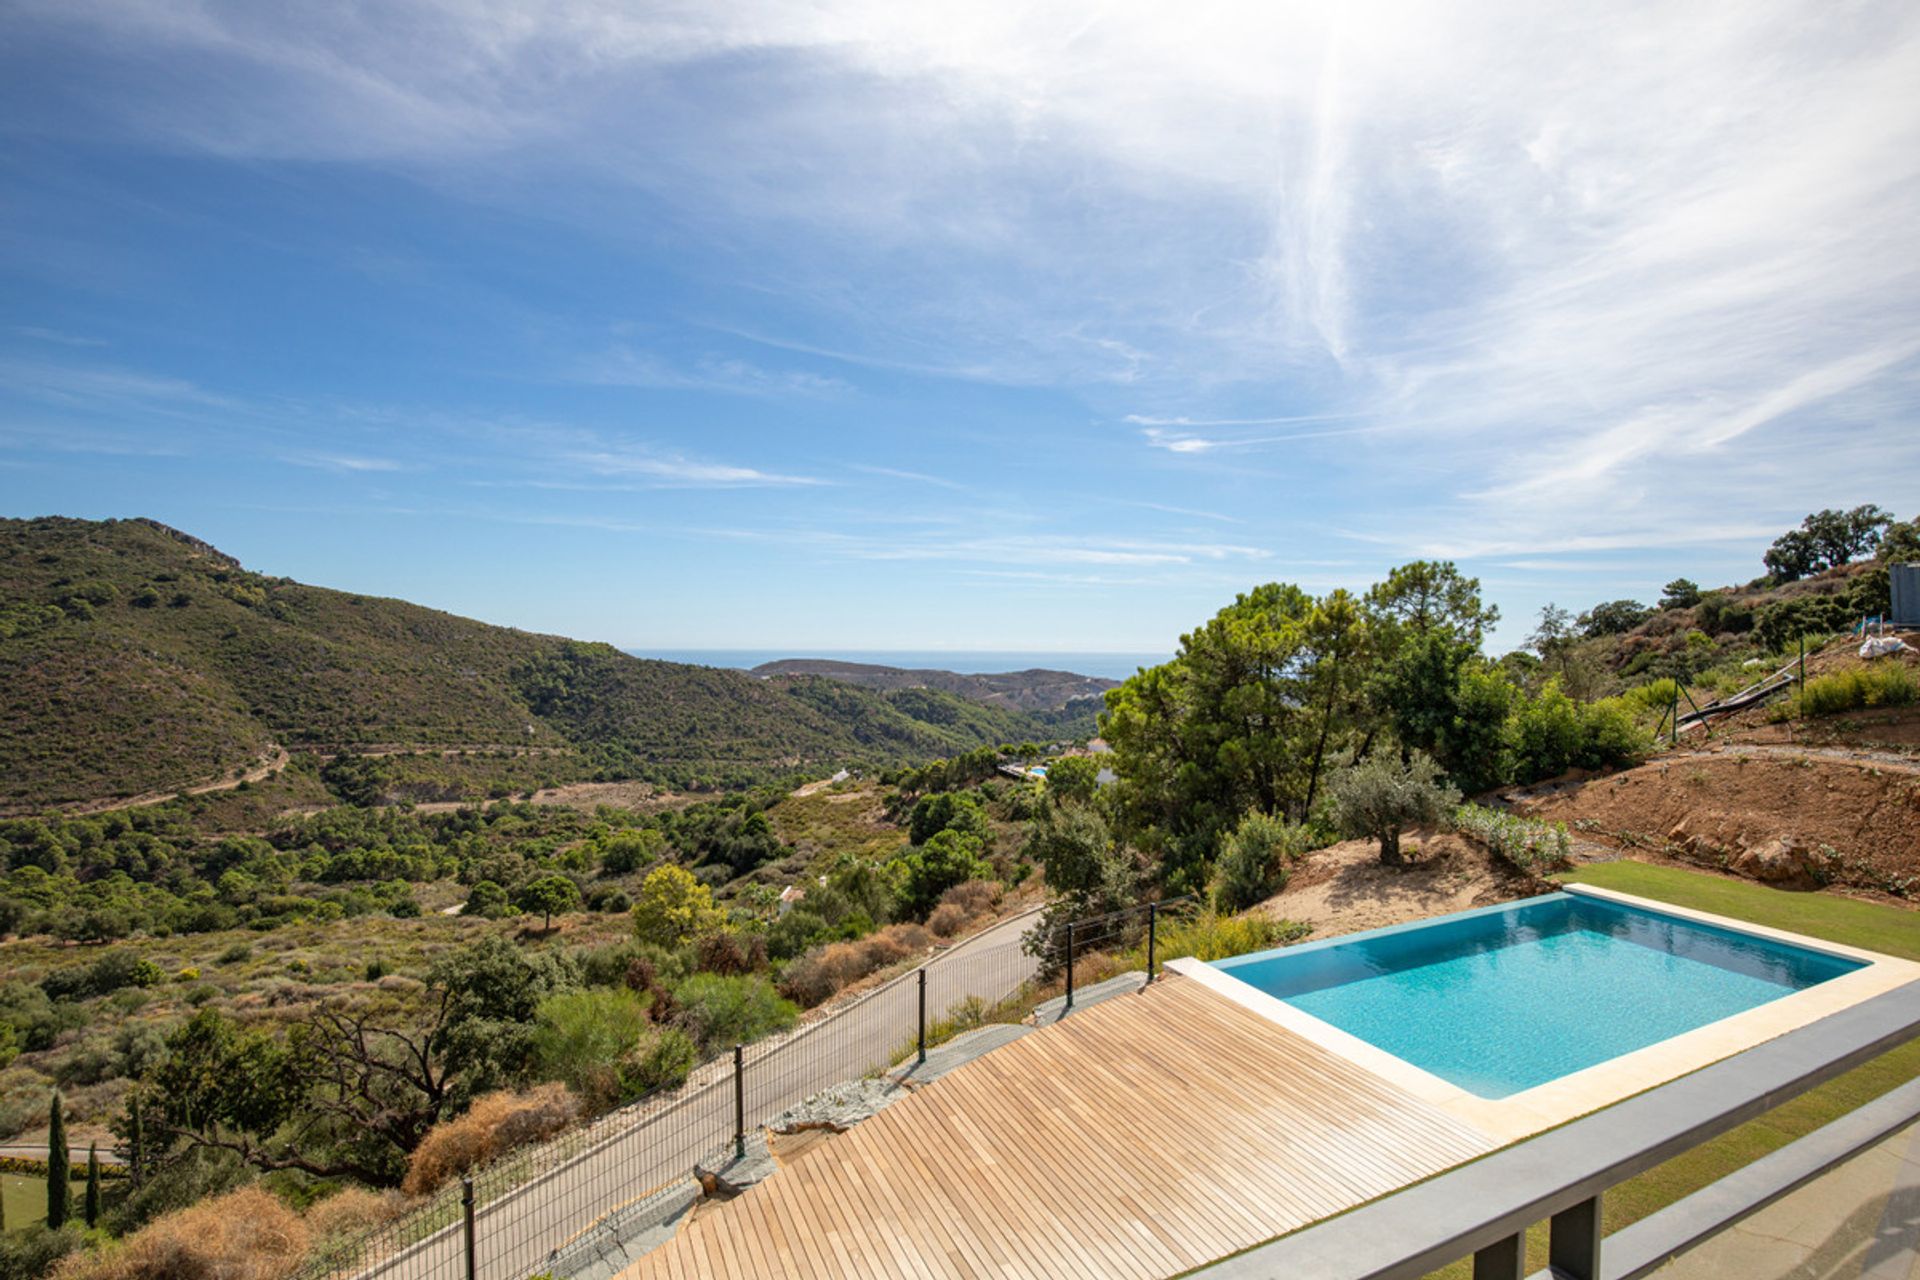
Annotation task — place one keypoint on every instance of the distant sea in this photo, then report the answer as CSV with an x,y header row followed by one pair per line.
x,y
1114,666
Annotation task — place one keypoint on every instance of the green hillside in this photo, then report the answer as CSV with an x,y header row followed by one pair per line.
x,y
135,658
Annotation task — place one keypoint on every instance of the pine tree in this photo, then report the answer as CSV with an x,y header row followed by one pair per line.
x,y
93,1184
59,1193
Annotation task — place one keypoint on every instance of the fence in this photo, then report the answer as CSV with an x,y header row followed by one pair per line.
x,y
533,1208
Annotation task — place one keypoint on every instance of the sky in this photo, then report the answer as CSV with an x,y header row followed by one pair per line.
x,y
864,324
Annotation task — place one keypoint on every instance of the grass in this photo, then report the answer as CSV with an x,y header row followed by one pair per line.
x,y
26,1198
1891,930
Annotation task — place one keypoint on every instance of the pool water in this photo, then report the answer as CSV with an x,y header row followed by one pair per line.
x,y
1506,998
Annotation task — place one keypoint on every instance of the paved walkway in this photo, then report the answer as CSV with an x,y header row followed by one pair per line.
x,y
1859,1222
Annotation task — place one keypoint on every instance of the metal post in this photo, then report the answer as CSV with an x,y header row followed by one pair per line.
x,y
1673,738
1801,697
1069,1004
1502,1260
1153,935
466,1212
923,1013
740,1101
1573,1241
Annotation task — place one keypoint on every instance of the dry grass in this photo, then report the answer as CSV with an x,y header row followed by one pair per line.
x,y
823,971
495,1124
243,1235
352,1210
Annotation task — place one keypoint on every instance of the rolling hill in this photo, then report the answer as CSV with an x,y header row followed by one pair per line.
x,y
1036,690
136,658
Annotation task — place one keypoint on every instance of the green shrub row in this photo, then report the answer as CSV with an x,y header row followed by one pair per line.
x,y
1533,846
1887,684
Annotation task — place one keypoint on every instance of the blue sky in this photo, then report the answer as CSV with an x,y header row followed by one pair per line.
x,y
880,325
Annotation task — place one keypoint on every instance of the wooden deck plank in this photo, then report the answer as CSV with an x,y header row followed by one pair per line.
x,y
1138,1138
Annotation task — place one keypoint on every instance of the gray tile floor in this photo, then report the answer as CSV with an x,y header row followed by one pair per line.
x,y
1859,1222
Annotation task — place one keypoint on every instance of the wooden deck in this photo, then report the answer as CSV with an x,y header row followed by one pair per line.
x,y
1139,1138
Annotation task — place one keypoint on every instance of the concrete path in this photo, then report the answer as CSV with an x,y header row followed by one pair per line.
x,y
1859,1222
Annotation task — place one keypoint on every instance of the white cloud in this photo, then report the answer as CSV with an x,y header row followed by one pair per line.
x,y
676,470
1571,273
343,462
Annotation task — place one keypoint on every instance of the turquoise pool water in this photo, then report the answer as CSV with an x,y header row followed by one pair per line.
x,y
1506,998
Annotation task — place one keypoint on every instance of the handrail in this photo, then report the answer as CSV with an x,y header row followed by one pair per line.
x,y
1493,1200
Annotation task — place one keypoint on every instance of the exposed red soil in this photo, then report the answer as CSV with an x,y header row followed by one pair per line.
x,y
1858,812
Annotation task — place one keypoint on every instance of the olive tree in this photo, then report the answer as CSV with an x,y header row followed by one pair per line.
x,y
1383,796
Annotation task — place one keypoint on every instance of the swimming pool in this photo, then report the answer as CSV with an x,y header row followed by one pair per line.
x,y
1505,999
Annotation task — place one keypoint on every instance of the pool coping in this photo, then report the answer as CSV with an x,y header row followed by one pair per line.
x,y
1544,1106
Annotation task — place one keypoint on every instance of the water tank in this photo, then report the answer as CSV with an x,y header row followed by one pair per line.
x,y
1905,581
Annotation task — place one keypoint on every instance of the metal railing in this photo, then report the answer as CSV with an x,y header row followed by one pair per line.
x,y
517,1215
1484,1209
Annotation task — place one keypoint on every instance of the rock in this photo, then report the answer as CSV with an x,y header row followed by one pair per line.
x,y
728,1173
1781,861
838,1108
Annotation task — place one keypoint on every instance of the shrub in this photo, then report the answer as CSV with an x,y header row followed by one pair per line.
x,y
1382,797
28,1253
487,900
243,1235
1885,684
1253,861
949,857
345,1214
1212,936
667,1058
717,1010
824,971
1533,846
731,952
495,1124
674,908
582,1037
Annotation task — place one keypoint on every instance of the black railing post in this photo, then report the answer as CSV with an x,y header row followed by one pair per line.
x,y
1573,1241
1153,935
1069,1003
923,1013
466,1212
740,1101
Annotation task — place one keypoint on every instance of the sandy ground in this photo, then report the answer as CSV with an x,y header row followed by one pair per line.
x,y
1344,887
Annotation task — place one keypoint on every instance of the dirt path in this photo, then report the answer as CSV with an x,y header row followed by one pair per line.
x,y
264,767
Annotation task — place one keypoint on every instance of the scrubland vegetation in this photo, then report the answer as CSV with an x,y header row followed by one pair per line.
x,y
299,992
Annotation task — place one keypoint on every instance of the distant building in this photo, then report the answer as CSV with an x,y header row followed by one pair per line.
x,y
790,895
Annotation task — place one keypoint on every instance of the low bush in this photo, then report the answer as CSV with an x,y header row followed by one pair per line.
x,y
1885,684
495,1124
1255,859
349,1212
1213,936
824,971
243,1235
1533,846
718,1011
962,906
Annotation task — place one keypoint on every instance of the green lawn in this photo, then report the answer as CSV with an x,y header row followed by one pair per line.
x,y
1892,930
26,1198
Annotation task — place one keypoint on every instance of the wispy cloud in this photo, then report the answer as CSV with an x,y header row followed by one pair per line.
x,y
630,368
343,463
54,336
675,470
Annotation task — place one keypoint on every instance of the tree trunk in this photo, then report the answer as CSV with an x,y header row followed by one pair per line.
x,y
1390,848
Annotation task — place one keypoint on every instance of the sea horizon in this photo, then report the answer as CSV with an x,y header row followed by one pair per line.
x,y
1111,666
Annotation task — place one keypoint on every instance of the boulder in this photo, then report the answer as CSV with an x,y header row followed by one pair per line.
x,y
1782,861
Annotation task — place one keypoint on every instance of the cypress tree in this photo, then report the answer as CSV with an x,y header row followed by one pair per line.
x,y
136,1139
93,1184
59,1193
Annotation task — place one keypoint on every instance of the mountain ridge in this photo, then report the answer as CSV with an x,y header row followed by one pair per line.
x,y
135,657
